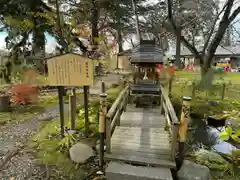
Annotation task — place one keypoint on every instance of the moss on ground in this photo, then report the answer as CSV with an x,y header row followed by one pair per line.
x,y
18,114
50,99
45,144
206,103
201,107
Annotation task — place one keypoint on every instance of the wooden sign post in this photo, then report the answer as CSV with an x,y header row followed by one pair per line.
x,y
72,108
68,70
85,94
61,108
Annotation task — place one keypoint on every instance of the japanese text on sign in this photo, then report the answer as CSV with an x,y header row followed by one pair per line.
x,y
70,70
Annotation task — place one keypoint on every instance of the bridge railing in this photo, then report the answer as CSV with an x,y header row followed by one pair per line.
x,y
114,114
172,122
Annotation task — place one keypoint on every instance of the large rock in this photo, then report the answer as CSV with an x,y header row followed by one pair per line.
x,y
80,153
193,171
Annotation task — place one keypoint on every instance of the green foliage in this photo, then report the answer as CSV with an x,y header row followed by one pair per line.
x,y
19,114
23,24
48,146
226,134
210,159
92,115
231,132
66,142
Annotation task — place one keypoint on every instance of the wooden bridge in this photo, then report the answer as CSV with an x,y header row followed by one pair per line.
x,y
142,136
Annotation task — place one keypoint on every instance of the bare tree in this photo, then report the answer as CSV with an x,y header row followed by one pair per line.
x,y
214,35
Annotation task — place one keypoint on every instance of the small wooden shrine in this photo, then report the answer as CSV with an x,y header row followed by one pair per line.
x,y
144,59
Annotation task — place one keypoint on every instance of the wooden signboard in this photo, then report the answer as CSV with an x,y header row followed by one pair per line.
x,y
70,70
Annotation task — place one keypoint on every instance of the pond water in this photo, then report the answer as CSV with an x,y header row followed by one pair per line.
x,y
201,135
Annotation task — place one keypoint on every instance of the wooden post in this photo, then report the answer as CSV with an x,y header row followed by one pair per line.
x,y
170,86
61,108
185,117
223,91
72,108
174,142
161,102
108,134
85,90
193,90
134,78
64,91
126,100
102,119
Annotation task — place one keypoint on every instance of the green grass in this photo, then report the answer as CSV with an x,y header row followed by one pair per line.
x,y
182,86
49,100
19,114
46,148
45,144
227,76
200,105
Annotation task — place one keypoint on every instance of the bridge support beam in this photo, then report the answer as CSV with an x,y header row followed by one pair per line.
x,y
183,129
102,122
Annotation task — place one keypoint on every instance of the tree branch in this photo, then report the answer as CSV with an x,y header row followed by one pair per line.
x,y
234,14
212,29
183,40
227,12
224,23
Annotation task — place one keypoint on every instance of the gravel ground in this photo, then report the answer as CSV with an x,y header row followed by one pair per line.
x,y
15,137
23,165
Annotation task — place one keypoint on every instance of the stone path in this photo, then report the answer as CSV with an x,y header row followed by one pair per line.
x,y
14,139
22,164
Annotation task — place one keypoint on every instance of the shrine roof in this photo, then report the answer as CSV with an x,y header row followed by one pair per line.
x,y
146,52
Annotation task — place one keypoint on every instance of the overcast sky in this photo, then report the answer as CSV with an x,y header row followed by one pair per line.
x,y
51,43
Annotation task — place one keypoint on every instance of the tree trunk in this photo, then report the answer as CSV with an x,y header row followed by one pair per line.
x,y
206,65
120,46
94,22
38,47
178,47
136,19
59,29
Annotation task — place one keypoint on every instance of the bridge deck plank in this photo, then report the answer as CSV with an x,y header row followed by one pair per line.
x,y
141,135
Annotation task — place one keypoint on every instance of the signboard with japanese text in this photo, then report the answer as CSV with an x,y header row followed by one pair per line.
x,y
70,70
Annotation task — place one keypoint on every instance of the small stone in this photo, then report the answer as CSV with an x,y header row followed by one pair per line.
x,y
80,153
99,173
193,171
97,178
71,132
81,134
98,148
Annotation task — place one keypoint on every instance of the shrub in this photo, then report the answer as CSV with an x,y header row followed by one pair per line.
x,y
24,94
